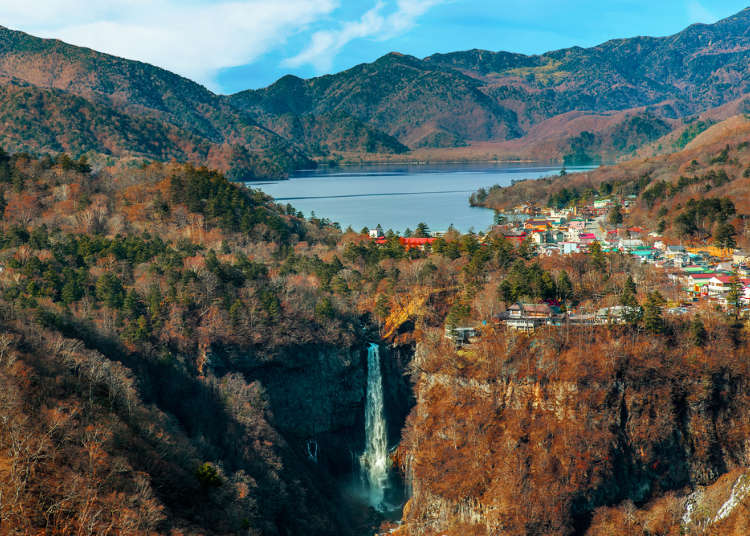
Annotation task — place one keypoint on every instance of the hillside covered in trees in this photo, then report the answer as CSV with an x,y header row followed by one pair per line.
x,y
159,329
133,320
686,195
61,98
575,105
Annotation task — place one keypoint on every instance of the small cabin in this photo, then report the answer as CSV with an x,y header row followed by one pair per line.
x,y
461,335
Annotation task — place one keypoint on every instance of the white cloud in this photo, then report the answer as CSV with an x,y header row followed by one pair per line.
x,y
698,13
195,39
374,24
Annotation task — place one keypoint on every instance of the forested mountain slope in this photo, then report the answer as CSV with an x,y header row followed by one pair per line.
x,y
581,105
454,99
59,97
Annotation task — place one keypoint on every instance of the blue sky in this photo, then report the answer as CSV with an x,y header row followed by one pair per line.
x,y
230,45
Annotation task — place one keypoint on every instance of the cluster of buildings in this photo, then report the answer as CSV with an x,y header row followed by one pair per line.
x,y
527,317
570,230
701,273
704,276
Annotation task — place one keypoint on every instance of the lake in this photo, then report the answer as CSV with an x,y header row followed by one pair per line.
x,y
399,196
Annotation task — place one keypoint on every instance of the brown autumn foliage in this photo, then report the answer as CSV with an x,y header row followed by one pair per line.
x,y
530,435
159,318
714,165
130,344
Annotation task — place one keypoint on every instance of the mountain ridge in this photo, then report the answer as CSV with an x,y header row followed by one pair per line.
x,y
203,126
468,105
703,66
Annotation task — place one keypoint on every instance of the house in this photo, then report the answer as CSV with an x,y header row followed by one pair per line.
x,y
697,282
557,236
560,215
644,254
679,261
577,225
741,256
582,319
534,224
636,232
526,208
529,316
540,237
377,232
586,238
720,284
570,247
695,269
631,244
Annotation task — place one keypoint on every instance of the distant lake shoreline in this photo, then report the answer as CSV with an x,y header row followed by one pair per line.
x,y
400,195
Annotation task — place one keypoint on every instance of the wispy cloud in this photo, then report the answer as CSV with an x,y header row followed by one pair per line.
x,y
698,13
193,38
383,21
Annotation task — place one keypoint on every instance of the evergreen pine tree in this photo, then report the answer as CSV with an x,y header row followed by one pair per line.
x,y
422,231
505,292
564,287
653,320
597,256
698,333
615,216
734,296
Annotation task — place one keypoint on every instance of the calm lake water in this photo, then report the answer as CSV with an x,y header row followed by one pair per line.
x,y
399,196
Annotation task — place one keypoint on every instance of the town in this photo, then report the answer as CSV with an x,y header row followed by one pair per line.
x,y
708,273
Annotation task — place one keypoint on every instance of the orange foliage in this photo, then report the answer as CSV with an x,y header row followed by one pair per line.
x,y
534,432
22,208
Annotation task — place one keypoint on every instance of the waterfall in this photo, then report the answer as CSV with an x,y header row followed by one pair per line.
x,y
374,461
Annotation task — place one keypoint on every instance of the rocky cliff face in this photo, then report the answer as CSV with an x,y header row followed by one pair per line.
x,y
534,437
317,393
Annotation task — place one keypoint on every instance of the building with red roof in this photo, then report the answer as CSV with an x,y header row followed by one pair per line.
x,y
411,242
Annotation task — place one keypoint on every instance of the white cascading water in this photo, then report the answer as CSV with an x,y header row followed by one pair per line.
x,y
374,461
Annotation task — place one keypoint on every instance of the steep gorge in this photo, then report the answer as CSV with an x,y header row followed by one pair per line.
x,y
157,377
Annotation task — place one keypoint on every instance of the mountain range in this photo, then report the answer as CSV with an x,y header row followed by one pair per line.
x,y
577,104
